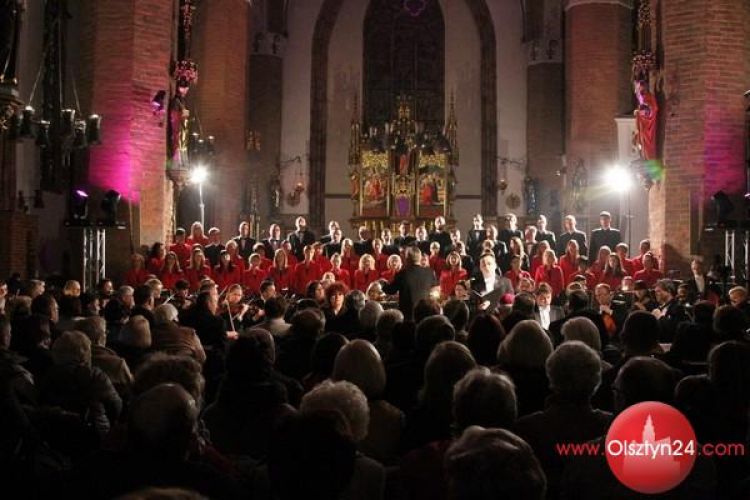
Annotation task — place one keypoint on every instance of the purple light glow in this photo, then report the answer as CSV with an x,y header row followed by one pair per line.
x,y
82,194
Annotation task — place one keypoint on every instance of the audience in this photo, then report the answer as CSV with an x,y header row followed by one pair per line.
x,y
129,394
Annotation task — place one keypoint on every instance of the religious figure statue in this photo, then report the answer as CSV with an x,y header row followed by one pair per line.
x,y
275,194
580,183
10,31
645,120
179,127
529,189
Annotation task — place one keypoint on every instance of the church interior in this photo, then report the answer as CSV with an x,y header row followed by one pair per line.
x,y
210,169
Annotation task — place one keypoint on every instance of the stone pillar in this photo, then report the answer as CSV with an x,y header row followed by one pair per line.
x,y
545,108
598,37
706,70
125,48
220,47
264,119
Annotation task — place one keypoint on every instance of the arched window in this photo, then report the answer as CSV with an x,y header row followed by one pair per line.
x,y
404,53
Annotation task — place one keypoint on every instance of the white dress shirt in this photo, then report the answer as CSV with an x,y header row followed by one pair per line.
x,y
544,316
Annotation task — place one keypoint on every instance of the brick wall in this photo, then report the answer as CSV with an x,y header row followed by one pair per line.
x,y
706,47
597,89
18,246
125,49
220,47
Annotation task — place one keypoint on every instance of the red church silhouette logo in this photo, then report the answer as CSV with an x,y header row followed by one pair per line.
x,y
651,447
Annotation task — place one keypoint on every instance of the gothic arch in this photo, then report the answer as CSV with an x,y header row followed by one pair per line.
x,y
319,105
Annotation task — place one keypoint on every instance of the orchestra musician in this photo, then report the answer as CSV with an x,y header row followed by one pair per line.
x,y
233,311
181,298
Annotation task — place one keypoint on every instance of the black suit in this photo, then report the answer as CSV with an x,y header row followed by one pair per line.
x,y
443,238
601,237
299,241
412,284
474,240
506,234
547,236
579,236
362,247
390,249
331,248
674,314
325,239
212,252
555,313
271,246
244,246
501,282
404,241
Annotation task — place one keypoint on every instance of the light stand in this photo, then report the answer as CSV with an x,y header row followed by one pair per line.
x,y
201,205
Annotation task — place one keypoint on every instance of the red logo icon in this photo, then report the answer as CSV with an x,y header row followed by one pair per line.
x,y
651,447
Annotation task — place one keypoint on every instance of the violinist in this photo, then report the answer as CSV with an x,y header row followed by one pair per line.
x,y
233,310
226,273
253,276
197,269
171,271
181,299
281,273
136,275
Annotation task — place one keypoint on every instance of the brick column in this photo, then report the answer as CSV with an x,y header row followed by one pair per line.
x,y
706,59
125,48
545,108
220,47
598,88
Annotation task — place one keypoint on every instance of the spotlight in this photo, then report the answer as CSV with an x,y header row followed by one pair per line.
x,y
211,145
157,103
109,206
199,175
723,206
79,140
79,209
93,129
619,179
67,122
42,134
27,123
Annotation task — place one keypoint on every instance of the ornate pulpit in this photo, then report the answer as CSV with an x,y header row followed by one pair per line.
x,y
400,171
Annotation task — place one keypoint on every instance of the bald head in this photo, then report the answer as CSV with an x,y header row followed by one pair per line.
x,y
162,422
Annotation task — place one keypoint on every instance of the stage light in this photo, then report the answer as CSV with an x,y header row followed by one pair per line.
x,y
79,206
109,206
42,134
27,123
93,129
199,175
619,179
79,140
723,206
157,103
67,122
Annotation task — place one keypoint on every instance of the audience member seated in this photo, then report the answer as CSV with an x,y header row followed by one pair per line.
x,y
384,332
692,341
162,425
479,398
358,362
590,477
345,398
729,323
249,403
339,318
107,360
134,341
295,352
368,319
574,372
522,355
32,340
717,406
143,304
75,386
485,334
432,417
274,310
168,336
323,358
488,464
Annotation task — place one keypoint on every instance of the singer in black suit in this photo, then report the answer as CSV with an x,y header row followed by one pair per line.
x,y
604,235
571,233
